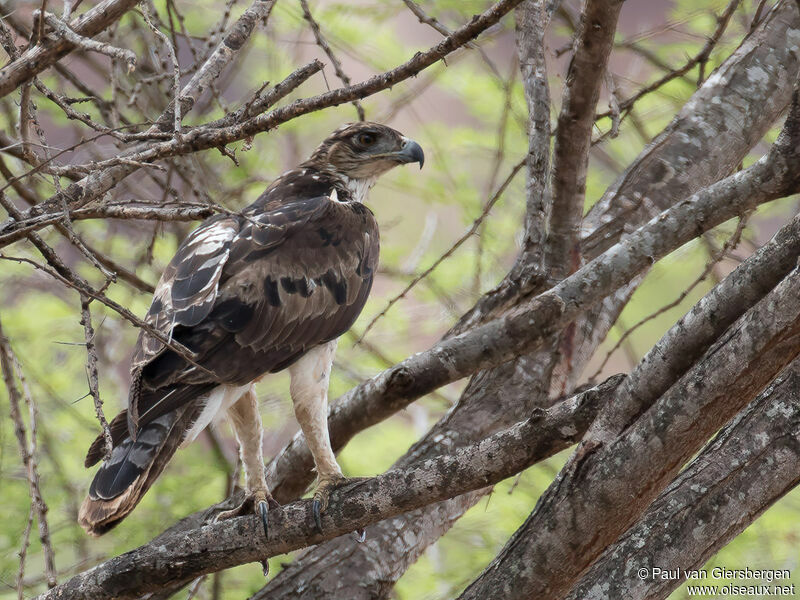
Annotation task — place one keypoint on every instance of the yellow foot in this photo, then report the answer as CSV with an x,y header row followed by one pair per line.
x,y
256,501
322,493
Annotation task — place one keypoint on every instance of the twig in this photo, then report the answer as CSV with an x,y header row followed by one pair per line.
x,y
25,109
257,105
699,59
445,31
7,41
613,104
91,372
23,554
176,69
337,65
467,234
86,190
729,245
63,30
27,449
80,286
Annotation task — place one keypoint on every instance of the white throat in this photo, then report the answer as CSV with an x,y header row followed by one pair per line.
x,y
359,188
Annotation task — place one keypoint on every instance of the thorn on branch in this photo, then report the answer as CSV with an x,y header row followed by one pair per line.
x,y
92,374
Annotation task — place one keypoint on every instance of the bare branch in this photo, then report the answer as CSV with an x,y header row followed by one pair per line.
x,y
572,522
533,19
63,31
464,237
37,59
176,68
27,450
180,557
337,65
574,133
700,512
701,58
522,330
729,245
91,372
112,171
701,145
223,55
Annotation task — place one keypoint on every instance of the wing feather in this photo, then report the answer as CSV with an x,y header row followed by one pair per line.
x,y
187,290
250,295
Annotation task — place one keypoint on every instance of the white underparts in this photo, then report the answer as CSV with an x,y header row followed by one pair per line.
x,y
220,399
246,421
309,390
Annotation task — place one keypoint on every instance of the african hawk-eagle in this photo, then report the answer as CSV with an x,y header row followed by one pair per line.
x,y
268,289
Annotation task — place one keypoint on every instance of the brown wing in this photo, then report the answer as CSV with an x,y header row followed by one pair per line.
x,y
291,278
188,287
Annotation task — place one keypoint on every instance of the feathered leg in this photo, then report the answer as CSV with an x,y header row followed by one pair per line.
x,y
246,422
309,389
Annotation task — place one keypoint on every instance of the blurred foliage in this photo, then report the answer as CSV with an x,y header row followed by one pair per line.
x,y
456,112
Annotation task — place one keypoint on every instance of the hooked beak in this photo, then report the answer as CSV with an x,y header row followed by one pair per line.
x,y
410,152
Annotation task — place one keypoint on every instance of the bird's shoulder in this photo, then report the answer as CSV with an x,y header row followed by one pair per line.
x,y
303,209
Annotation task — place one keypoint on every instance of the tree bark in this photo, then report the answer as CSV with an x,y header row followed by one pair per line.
x,y
177,558
752,463
581,513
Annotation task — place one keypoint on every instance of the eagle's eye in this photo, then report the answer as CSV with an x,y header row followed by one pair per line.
x,y
366,139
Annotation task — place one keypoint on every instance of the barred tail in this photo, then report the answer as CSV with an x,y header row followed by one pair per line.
x,y
121,482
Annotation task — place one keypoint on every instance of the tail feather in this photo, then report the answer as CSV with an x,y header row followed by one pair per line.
x,y
119,431
121,482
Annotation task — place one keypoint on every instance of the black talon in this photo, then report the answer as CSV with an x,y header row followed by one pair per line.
x,y
361,535
316,508
265,567
262,510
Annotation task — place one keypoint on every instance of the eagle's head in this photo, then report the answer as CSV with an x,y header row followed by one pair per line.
x,y
364,151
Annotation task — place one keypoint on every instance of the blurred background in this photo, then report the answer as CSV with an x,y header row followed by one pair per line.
x,y
469,115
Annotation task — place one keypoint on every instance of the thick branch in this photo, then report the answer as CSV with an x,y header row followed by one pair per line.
x,y
686,342
578,517
710,135
533,19
369,571
37,59
180,557
753,461
523,330
574,133
706,141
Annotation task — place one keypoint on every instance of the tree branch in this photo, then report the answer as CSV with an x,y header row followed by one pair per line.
x,y
574,520
702,510
180,557
691,336
706,141
523,330
37,59
574,133
110,172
